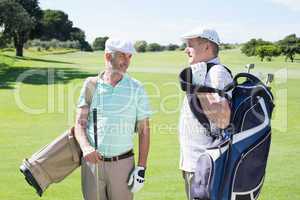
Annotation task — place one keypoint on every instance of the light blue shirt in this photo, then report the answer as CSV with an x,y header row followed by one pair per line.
x,y
118,110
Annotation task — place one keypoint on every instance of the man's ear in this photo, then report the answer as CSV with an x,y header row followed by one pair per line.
x,y
108,57
207,46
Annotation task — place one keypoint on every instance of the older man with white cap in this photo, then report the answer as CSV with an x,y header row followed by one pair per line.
x,y
122,106
202,51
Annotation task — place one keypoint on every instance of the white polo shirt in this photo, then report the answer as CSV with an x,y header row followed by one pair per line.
x,y
192,135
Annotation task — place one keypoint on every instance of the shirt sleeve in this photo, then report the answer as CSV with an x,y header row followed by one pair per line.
x,y
143,106
218,77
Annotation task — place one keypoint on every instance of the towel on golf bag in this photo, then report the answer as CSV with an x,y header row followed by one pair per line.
x,y
233,168
57,160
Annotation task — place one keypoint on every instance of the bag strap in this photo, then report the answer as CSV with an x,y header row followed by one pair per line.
x,y
191,90
90,89
185,79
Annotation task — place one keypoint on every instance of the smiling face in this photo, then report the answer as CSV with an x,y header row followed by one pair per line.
x,y
118,61
198,50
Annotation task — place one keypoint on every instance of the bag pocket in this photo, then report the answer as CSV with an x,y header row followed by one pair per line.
x,y
250,171
202,177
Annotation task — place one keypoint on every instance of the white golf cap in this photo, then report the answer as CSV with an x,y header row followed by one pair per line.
x,y
207,33
125,46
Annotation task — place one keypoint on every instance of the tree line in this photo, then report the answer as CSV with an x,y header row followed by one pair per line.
x,y
23,20
289,46
143,46
140,46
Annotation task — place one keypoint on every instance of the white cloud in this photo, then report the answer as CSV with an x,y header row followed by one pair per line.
x,y
291,4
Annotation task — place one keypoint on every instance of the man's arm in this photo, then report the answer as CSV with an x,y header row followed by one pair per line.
x,y
216,108
144,141
89,152
218,111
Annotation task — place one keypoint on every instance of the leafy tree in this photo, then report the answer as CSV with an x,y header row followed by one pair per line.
x,y
290,46
172,47
3,40
226,46
99,43
85,46
182,47
140,46
78,35
56,25
17,23
249,48
268,51
33,9
154,47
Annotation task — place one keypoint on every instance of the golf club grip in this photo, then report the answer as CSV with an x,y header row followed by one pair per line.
x,y
95,128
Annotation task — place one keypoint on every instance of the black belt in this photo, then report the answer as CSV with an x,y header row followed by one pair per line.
x,y
116,158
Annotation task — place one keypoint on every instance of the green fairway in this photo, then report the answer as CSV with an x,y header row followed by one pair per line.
x,y
33,112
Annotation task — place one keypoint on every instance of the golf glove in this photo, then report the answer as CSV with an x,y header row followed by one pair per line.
x,y
199,73
137,179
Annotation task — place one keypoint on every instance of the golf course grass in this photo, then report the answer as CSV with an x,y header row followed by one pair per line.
x,y
36,109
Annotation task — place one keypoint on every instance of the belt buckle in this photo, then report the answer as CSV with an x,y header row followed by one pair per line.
x,y
116,158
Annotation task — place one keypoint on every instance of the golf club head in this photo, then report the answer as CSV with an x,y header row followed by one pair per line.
x,y
270,78
249,67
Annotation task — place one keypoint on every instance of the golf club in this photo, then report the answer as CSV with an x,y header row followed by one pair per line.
x,y
270,79
249,67
96,148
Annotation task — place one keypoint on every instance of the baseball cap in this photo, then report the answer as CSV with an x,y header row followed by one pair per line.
x,y
206,33
125,46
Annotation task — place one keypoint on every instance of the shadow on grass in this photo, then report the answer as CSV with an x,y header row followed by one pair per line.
x,y
297,60
61,52
36,59
10,75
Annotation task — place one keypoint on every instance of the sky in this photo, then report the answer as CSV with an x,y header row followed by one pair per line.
x,y
164,21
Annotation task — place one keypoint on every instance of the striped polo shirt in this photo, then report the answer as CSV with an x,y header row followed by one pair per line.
x,y
118,110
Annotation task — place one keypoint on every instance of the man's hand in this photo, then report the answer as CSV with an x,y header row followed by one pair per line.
x,y
137,179
216,110
91,155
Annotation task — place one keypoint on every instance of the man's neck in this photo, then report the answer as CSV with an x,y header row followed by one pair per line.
x,y
210,58
112,77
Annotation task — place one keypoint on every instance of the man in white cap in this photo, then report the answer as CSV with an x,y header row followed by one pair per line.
x,y
202,51
122,105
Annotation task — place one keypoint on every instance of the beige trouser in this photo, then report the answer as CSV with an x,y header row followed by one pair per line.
x,y
113,177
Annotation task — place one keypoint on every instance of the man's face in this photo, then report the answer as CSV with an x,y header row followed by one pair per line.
x,y
196,50
119,61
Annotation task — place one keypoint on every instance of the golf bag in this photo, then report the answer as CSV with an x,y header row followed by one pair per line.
x,y
58,159
53,163
234,167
